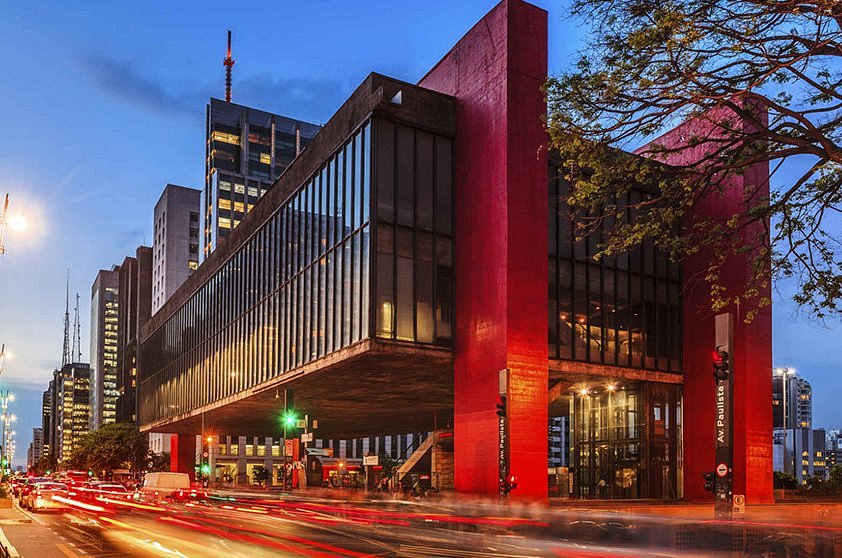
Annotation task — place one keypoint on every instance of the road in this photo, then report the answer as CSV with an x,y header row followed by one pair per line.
x,y
255,526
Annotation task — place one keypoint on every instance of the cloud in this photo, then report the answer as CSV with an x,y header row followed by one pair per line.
x,y
123,81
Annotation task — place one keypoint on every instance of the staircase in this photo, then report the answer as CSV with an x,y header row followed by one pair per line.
x,y
416,456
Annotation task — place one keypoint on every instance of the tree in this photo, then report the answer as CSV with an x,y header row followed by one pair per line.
x,y
46,464
260,475
159,461
762,80
114,446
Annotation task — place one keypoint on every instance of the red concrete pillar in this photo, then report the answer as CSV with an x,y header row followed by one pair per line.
x,y
496,72
752,354
183,454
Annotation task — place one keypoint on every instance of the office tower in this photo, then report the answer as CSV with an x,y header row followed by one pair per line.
x,y
46,413
104,310
71,388
246,151
799,401
134,307
175,248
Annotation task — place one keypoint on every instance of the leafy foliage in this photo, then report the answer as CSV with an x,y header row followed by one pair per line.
x,y
760,80
114,446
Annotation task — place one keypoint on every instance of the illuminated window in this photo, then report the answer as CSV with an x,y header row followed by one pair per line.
x,y
252,191
225,138
266,158
224,204
238,206
193,264
224,223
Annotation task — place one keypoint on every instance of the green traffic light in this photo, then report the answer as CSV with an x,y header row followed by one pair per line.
x,y
205,469
289,419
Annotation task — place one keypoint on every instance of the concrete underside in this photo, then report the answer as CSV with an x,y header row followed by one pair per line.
x,y
368,389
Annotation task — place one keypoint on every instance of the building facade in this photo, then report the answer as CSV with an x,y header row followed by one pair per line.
x,y
134,309
799,401
246,151
415,262
71,410
104,347
175,249
36,448
46,421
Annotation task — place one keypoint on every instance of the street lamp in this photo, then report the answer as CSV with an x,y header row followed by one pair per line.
x,y
784,373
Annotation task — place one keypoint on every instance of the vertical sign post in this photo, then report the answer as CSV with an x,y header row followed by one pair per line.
x,y
724,416
502,432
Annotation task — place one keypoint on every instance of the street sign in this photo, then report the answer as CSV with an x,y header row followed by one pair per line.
x,y
723,413
739,503
301,423
371,460
307,437
288,448
320,452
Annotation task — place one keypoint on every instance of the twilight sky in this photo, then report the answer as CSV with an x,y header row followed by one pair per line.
x,y
103,104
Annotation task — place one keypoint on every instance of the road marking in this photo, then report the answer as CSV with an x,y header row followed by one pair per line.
x,y
11,550
35,517
67,551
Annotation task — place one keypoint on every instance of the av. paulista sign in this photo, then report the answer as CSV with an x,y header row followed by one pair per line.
x,y
724,415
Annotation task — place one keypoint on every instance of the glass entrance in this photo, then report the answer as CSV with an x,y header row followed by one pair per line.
x,y
625,441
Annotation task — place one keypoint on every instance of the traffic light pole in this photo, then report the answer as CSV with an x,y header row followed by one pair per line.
x,y
724,416
503,433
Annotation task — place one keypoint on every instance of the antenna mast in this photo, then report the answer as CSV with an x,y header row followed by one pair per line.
x,y
228,62
65,353
77,334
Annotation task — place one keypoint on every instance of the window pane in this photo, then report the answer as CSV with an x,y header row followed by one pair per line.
x,y
444,189
405,183
424,287
386,171
424,180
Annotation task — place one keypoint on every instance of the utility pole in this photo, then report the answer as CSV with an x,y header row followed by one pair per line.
x,y
3,225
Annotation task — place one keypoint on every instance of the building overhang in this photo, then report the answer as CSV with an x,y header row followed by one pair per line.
x,y
411,387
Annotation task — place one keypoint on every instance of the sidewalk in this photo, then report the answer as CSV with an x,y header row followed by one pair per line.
x,y
27,537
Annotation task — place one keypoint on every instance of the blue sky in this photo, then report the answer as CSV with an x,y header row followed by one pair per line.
x,y
103,104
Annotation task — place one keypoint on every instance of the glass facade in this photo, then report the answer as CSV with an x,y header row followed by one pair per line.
x,y
304,284
623,310
626,441
414,291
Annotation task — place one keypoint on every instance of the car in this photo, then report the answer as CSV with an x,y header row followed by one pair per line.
x,y
28,484
111,491
41,497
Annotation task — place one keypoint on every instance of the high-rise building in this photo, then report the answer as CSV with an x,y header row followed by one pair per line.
x,y
71,393
799,401
175,248
134,307
36,448
246,151
104,318
46,420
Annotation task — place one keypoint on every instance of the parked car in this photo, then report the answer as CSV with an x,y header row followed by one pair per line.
x,y
160,486
42,494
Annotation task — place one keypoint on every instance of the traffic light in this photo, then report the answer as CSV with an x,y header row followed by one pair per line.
x,y
204,467
721,365
709,480
508,484
501,406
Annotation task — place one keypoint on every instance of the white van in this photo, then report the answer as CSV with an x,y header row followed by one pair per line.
x,y
158,486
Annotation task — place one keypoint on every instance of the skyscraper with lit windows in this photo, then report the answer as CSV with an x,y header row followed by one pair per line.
x,y
104,337
246,151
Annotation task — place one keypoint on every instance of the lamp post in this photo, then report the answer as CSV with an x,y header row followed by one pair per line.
x,y
784,372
